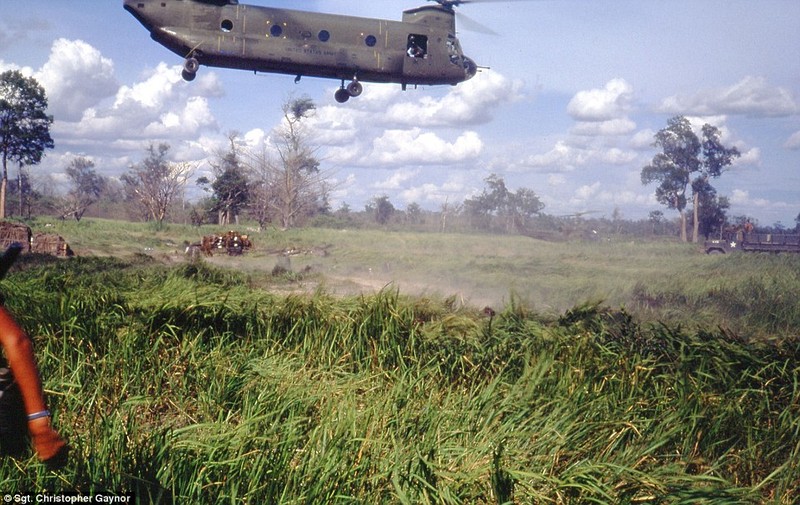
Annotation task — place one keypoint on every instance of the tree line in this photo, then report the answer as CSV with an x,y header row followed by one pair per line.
x,y
688,162
282,183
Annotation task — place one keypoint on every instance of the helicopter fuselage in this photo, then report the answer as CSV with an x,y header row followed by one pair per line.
x,y
422,49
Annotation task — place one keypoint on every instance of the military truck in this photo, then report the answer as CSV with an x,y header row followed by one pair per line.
x,y
753,242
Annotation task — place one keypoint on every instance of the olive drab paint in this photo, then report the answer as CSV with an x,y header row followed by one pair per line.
x,y
422,49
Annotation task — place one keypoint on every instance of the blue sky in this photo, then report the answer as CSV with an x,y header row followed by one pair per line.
x,y
575,91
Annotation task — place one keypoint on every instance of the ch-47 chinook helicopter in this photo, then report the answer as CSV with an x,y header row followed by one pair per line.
x,y
422,49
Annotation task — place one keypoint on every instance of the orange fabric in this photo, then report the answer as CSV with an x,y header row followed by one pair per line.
x,y
19,353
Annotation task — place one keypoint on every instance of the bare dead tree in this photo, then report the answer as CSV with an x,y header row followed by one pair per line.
x,y
156,182
87,186
287,185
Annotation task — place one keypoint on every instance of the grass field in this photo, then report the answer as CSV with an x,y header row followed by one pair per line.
x,y
219,382
752,295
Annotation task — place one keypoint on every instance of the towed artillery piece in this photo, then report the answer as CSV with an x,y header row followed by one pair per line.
x,y
233,243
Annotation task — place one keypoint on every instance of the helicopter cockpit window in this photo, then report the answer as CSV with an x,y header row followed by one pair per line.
x,y
417,46
453,50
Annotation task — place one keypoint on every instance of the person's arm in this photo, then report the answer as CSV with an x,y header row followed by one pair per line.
x,y
48,444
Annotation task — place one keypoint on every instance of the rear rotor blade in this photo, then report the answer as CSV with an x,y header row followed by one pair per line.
x,y
470,24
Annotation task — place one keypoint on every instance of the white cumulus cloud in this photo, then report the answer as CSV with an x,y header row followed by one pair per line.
x,y
610,128
742,197
399,147
752,96
794,141
396,180
566,157
610,102
472,102
159,108
76,76
643,140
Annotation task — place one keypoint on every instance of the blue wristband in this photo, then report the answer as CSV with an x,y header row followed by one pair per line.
x,y
37,415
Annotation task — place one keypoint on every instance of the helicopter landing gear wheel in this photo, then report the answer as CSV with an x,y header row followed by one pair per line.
x,y
355,88
352,90
191,65
341,95
190,68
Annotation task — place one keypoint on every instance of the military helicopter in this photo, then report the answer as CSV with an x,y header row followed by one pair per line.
x,y
422,49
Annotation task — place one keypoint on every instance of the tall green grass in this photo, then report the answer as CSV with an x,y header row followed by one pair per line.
x,y
187,384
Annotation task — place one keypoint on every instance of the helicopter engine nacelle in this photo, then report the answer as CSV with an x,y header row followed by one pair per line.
x,y
432,16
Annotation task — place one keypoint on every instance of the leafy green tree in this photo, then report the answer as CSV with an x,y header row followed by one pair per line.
x,y
656,218
514,209
381,209
87,186
231,193
679,159
715,158
414,213
24,124
712,212
230,188
492,201
672,168
524,205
